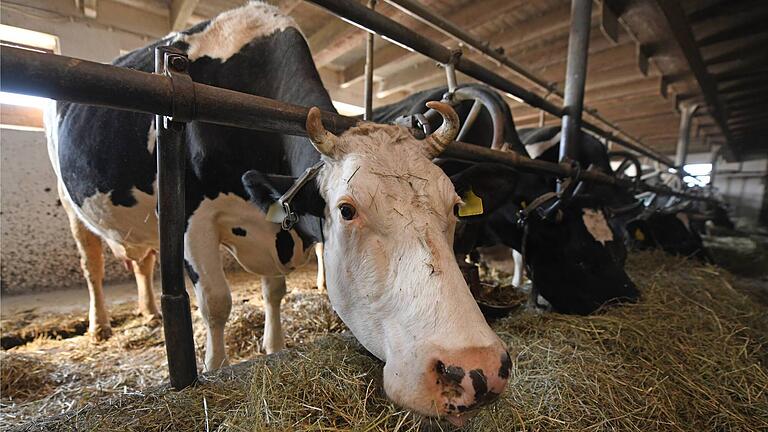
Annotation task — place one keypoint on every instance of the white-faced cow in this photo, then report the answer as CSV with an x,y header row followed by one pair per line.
x,y
575,260
385,211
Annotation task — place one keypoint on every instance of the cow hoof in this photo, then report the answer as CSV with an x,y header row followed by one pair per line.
x,y
152,319
100,333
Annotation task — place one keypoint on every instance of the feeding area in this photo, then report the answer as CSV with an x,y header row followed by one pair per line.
x,y
392,215
689,356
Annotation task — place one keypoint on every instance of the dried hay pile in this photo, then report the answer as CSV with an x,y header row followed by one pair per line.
x,y
79,373
690,356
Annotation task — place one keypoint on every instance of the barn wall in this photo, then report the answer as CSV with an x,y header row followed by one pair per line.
x,y
745,192
36,249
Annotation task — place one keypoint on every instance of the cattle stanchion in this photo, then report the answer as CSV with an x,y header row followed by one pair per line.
x,y
369,70
171,167
575,78
399,34
684,137
81,81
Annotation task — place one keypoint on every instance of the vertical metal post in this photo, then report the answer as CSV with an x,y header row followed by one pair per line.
x,y
575,77
684,136
715,156
171,168
369,70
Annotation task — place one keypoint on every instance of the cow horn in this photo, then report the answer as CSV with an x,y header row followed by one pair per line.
x,y
323,140
439,139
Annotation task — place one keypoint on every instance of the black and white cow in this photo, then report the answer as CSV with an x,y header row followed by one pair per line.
x,y
665,223
569,260
384,210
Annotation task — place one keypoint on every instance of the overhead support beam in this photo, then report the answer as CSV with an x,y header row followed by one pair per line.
x,y
575,79
181,12
684,137
663,24
749,29
398,33
722,8
90,8
609,23
753,49
642,59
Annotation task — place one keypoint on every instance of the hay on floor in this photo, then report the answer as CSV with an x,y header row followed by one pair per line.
x,y
690,356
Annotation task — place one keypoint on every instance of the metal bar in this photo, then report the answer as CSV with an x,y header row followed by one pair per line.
x,y
416,10
369,70
684,137
434,20
171,167
59,77
359,15
81,81
575,77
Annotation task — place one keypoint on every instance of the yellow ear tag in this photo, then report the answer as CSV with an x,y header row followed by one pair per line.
x,y
275,214
523,204
639,236
473,205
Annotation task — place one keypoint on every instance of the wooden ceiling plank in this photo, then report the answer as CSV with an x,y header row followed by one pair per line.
x,y
755,26
390,53
181,11
664,24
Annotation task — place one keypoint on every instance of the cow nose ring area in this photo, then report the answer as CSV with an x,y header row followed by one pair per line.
x,y
462,390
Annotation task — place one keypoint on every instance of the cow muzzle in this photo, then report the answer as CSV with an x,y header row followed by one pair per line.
x,y
456,384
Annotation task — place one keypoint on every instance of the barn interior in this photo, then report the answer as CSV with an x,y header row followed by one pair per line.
x,y
682,85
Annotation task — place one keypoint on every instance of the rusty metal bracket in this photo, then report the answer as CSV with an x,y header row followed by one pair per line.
x,y
171,169
176,67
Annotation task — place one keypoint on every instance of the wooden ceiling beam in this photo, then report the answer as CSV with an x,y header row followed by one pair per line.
x,y
464,17
664,24
720,9
180,13
756,25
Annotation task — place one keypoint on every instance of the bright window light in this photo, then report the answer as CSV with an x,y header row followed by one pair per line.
x,y
22,100
630,170
348,109
28,38
18,111
513,97
699,169
698,174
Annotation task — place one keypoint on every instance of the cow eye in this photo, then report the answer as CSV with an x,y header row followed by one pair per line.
x,y
456,209
348,211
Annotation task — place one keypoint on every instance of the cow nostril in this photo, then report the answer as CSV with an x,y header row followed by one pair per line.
x,y
440,368
506,366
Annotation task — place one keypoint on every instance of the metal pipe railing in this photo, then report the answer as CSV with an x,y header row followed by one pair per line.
x,y
81,81
575,77
422,13
171,171
374,22
369,70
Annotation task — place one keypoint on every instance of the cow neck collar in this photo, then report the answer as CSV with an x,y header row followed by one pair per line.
x,y
291,218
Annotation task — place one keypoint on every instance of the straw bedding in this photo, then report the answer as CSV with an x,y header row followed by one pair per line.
x,y
690,356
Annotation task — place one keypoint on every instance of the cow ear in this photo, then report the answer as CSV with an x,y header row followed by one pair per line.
x,y
265,189
484,188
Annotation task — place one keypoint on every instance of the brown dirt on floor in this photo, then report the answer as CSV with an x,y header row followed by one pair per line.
x,y
55,367
690,356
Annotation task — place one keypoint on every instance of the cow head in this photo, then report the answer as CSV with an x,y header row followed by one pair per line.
x,y
566,255
391,274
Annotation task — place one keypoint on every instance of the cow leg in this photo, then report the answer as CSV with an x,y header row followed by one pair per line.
x,y
320,267
214,300
517,279
273,290
143,271
92,262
